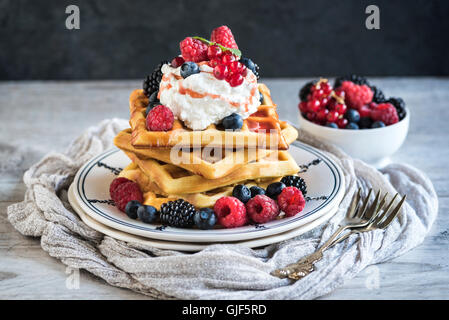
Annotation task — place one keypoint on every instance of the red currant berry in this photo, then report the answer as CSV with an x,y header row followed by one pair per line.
x,y
332,116
317,94
322,115
314,105
340,93
342,123
221,72
214,52
326,87
341,108
235,66
236,80
177,62
324,102
303,107
331,104
227,58
244,72
311,116
214,62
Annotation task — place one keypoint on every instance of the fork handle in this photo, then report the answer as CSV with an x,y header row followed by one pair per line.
x,y
305,265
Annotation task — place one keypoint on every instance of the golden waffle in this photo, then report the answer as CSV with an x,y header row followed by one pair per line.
x,y
154,197
202,161
172,179
262,129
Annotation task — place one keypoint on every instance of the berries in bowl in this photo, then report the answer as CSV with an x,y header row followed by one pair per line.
x,y
354,115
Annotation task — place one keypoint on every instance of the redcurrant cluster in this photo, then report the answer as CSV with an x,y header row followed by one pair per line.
x,y
226,66
325,105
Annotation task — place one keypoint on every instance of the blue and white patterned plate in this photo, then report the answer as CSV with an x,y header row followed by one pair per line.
x,y
325,187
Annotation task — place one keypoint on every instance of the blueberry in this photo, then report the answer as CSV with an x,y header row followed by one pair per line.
x,y
131,208
332,125
147,214
261,97
249,64
274,189
205,219
352,126
255,190
242,193
352,115
153,97
378,124
188,68
233,122
365,122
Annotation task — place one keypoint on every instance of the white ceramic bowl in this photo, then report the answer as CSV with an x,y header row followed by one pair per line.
x,y
373,146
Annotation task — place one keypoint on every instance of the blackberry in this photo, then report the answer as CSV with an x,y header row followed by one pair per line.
x,y
295,181
177,213
378,95
305,90
151,82
399,104
359,80
257,69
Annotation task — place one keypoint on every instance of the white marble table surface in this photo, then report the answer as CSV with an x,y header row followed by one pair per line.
x,y
38,117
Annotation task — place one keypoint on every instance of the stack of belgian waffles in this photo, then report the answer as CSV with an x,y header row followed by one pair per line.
x,y
203,166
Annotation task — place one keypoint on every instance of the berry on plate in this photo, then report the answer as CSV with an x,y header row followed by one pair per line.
x,y
177,213
242,193
365,123
386,113
262,209
188,68
131,208
224,36
356,95
205,219
160,118
193,50
291,201
399,104
274,189
232,122
151,82
231,212
124,193
115,183
332,125
255,190
295,181
147,214
177,62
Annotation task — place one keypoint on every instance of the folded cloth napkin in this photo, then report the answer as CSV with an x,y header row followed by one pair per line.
x,y
221,271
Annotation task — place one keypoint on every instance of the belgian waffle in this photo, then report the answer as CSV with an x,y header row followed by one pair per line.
x,y
202,161
172,179
155,197
262,129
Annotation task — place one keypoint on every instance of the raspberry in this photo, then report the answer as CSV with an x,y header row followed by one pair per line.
x,y
193,50
386,113
223,36
291,201
160,118
356,95
262,209
365,111
231,212
126,192
115,183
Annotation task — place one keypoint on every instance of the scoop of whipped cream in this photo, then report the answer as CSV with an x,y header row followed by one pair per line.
x,y
201,99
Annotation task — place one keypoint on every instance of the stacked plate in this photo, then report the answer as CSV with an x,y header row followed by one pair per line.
x,y
89,197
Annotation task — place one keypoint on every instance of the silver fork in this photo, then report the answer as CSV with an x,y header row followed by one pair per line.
x,y
359,218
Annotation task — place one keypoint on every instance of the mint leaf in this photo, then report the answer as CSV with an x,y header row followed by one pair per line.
x,y
235,52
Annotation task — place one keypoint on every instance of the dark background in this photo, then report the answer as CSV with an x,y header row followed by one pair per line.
x,y
126,39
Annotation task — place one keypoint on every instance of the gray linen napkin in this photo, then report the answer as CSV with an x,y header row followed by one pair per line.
x,y
222,271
